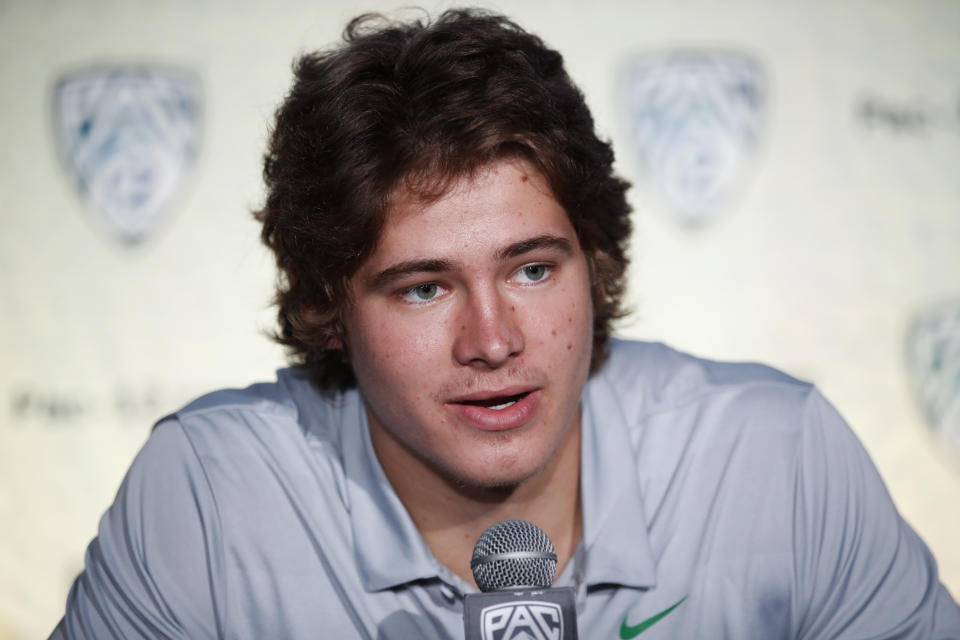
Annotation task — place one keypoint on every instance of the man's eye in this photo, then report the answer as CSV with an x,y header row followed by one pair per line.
x,y
533,273
421,292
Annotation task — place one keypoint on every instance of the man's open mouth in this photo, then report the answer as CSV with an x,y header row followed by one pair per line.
x,y
497,403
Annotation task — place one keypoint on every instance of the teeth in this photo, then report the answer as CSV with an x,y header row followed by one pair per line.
x,y
496,404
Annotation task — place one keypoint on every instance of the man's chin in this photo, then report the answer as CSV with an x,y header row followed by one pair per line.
x,y
491,486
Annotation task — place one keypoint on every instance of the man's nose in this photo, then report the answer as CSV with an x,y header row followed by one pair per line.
x,y
488,334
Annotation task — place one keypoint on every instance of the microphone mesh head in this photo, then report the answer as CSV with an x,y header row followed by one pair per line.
x,y
513,553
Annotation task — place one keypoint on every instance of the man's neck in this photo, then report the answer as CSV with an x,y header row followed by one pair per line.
x,y
451,517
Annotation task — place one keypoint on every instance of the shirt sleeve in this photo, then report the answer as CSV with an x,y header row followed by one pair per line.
x,y
149,571
862,572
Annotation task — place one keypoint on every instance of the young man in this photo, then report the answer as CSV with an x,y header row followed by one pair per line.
x,y
451,242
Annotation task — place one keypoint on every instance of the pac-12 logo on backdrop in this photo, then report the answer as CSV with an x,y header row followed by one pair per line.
x,y
522,621
693,119
128,136
933,361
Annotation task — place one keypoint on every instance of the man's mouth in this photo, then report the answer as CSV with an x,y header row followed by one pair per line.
x,y
497,409
497,403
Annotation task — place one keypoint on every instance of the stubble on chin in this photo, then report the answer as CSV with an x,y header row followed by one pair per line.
x,y
485,493
499,483
504,478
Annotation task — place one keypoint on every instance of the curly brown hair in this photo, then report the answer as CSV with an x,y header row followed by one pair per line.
x,y
418,105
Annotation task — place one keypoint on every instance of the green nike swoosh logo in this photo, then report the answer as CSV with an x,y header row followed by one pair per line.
x,y
626,632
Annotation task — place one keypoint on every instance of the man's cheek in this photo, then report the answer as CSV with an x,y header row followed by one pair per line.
x,y
407,347
566,319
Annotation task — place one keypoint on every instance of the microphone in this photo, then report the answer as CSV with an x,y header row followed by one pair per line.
x,y
514,563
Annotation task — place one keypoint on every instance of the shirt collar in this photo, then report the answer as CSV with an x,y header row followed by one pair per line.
x,y
390,551
617,547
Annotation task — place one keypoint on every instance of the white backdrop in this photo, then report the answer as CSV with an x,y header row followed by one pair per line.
x,y
844,224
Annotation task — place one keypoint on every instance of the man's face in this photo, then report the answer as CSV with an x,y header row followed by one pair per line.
x,y
470,330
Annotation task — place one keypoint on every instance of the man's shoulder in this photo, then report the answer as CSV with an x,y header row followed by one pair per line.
x,y
655,384
272,448
665,376
701,432
289,407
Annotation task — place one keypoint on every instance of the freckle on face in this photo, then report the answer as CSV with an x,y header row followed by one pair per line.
x,y
569,347
512,308
554,332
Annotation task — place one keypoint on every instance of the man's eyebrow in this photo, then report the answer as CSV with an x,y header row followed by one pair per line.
x,y
382,279
543,241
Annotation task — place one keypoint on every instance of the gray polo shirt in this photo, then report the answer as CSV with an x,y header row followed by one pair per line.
x,y
731,489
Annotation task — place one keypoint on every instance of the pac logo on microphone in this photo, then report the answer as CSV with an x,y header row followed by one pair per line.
x,y
527,620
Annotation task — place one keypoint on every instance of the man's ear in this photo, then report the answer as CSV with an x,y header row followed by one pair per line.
x,y
334,343
329,332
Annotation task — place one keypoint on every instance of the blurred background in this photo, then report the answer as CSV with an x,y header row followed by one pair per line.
x,y
797,192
